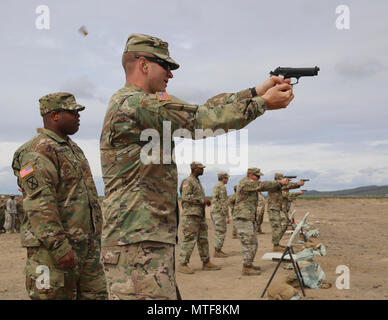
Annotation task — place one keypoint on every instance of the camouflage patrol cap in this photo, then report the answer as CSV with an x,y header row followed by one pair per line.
x,y
223,175
145,43
194,165
58,100
278,176
255,171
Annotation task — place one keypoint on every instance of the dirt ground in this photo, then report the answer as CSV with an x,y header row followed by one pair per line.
x,y
354,231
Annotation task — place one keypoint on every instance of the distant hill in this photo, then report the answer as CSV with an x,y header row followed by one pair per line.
x,y
368,191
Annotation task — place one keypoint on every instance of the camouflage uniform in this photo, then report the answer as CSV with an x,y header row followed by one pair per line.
x,y
194,226
19,214
260,211
2,215
61,212
11,215
231,203
244,214
287,201
219,212
277,216
140,201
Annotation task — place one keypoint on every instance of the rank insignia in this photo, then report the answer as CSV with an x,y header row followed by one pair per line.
x,y
162,96
28,169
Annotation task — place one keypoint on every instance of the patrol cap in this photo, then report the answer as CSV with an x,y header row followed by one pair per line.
x,y
58,100
255,171
146,43
222,175
194,165
278,176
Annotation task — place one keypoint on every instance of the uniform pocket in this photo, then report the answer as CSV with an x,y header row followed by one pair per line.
x,y
110,257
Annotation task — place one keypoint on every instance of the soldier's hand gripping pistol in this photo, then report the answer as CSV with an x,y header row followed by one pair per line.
x,y
295,73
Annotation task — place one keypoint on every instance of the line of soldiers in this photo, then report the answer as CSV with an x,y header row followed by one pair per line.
x,y
247,219
11,214
124,249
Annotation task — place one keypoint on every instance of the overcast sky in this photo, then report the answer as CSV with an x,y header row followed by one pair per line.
x,y
334,131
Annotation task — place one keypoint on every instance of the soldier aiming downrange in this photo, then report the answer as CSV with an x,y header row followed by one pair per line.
x,y
140,206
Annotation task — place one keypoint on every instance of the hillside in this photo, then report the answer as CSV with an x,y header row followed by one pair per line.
x,y
368,191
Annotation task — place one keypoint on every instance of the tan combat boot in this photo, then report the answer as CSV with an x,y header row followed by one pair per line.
x,y
278,248
250,271
219,254
256,267
184,268
259,231
235,236
210,266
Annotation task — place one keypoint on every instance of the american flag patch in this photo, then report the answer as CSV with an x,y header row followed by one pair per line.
x,y
26,171
162,96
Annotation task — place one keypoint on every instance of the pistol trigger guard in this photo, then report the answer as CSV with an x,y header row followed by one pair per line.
x,y
297,81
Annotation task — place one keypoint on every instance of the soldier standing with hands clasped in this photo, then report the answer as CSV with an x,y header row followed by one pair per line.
x,y
62,227
194,226
140,205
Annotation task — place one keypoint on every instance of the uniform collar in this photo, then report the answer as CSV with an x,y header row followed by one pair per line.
x,y
52,135
132,87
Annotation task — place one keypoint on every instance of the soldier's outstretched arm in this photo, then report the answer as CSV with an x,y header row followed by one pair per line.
x,y
38,182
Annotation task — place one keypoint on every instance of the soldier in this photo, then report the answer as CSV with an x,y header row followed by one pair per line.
x,y
276,215
19,214
220,214
194,226
2,214
62,226
140,205
11,215
244,215
260,212
288,198
232,202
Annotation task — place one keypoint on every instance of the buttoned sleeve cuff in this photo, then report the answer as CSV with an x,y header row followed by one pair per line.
x,y
61,251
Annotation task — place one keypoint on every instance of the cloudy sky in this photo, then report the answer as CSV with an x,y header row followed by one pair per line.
x,y
334,131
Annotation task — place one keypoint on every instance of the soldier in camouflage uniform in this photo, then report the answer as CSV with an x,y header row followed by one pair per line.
x,y
140,206
288,198
10,218
244,215
2,214
260,212
231,203
62,225
277,216
19,214
194,226
220,214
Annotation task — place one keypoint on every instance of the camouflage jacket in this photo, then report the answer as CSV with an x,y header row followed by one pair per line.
x,y
59,195
247,197
232,202
193,197
141,198
219,200
287,200
275,198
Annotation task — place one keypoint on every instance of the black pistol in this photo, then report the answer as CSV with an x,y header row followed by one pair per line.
x,y
295,72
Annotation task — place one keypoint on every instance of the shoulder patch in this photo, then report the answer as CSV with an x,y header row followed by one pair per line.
x,y
162,96
28,169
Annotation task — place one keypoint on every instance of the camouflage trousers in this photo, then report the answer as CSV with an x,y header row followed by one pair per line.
x,y
219,222
140,271
85,282
234,228
259,217
278,220
246,231
194,230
